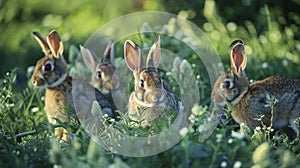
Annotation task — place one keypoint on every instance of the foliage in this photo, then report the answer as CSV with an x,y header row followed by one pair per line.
x,y
75,20
26,138
227,146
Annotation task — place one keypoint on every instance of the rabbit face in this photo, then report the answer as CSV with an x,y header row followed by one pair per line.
x,y
51,70
230,88
103,77
47,75
149,87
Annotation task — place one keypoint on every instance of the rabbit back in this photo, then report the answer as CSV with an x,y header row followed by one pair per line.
x,y
257,103
274,101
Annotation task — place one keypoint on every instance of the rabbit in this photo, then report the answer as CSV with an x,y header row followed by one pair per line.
x,y
151,95
102,72
252,101
63,91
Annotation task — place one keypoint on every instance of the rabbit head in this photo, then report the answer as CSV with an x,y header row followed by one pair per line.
x,y
148,84
51,70
231,86
102,72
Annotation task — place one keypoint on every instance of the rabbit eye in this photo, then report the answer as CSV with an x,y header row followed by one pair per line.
x,y
99,74
142,83
48,67
227,84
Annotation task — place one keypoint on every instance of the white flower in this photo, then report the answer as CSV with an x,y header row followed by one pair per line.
x,y
219,137
183,131
264,65
34,109
237,135
192,118
285,62
231,26
237,164
223,164
169,73
195,109
202,128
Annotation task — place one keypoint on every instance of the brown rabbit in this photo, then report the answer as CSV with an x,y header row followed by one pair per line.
x,y
51,72
151,95
250,101
102,72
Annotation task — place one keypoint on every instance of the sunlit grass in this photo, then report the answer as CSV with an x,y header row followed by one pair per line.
x,y
27,140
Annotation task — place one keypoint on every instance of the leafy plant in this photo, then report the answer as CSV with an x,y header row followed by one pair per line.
x,y
26,138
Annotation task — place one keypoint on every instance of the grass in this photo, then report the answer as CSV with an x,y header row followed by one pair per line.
x,y
227,146
27,140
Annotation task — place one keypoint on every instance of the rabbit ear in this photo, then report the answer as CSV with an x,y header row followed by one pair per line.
x,y
89,58
133,56
238,57
55,44
109,55
43,43
154,54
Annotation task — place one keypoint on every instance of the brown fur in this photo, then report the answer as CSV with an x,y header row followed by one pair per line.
x,y
250,101
51,73
151,95
108,81
56,102
105,83
253,103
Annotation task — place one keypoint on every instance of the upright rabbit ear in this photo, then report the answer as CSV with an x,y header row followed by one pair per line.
x,y
43,43
154,54
89,58
133,56
55,44
109,55
238,57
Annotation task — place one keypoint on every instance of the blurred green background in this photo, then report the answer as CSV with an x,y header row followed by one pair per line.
x,y
270,30
223,21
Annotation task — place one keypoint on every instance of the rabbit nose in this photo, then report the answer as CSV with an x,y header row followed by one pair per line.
x,y
37,82
34,83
